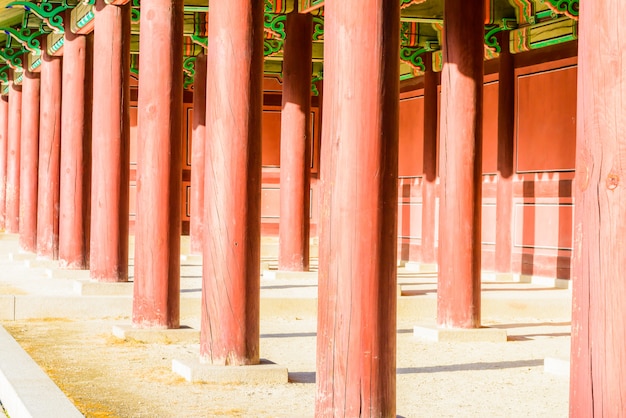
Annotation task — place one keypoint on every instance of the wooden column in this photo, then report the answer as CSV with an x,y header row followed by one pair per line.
x,y
108,256
598,358
75,186
49,156
429,181
458,293
506,139
4,137
29,164
13,158
356,333
295,145
156,295
197,155
231,272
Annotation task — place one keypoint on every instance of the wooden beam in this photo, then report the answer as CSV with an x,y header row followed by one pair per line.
x,y
49,156
231,273
111,144
156,296
29,161
13,156
75,183
356,337
598,358
198,141
295,146
4,134
458,291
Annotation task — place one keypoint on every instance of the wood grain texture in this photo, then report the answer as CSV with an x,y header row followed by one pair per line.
x,y
49,157
29,164
75,181
295,145
13,158
458,292
598,358
231,272
4,137
356,338
506,169
429,184
156,296
110,144
198,155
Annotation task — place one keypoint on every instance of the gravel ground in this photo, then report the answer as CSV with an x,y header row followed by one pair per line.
x,y
106,377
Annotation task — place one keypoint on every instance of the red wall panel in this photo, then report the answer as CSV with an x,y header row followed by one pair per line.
x,y
546,120
411,132
490,127
271,137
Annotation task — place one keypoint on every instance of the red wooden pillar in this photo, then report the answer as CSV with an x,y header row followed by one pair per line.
x,y
231,272
598,358
49,156
197,155
75,182
295,145
458,294
506,123
29,164
4,137
13,158
429,181
108,256
156,296
356,333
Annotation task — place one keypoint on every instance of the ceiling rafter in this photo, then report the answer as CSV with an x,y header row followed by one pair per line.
x,y
530,22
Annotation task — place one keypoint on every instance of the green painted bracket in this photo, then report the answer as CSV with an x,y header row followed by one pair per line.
x,y
318,28
200,40
406,3
189,65
135,13
570,8
275,25
315,79
47,12
272,47
278,6
13,57
492,30
26,38
413,55
4,74
134,64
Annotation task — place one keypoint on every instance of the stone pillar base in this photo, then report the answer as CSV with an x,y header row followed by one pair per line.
x,y
283,274
460,335
264,373
420,267
182,335
87,287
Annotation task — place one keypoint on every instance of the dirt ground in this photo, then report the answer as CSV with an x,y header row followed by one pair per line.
x,y
106,377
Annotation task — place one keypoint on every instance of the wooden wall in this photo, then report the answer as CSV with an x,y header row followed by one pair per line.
x,y
545,123
270,158
544,161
